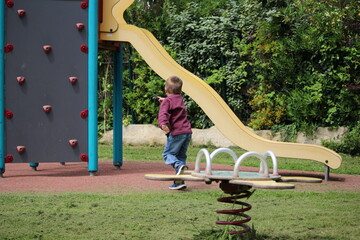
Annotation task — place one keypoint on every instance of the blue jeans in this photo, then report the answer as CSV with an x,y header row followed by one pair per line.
x,y
175,149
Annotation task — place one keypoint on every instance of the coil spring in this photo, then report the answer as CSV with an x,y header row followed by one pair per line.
x,y
237,212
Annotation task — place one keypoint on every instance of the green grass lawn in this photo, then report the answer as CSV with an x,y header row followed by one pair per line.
x,y
177,215
280,215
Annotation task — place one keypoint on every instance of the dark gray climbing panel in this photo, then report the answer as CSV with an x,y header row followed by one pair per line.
x,y
46,80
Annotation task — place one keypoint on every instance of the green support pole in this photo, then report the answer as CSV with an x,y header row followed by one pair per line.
x,y
117,110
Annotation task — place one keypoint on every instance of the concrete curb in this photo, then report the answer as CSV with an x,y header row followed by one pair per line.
x,y
147,134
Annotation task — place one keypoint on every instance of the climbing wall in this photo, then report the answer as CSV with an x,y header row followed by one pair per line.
x,y
46,80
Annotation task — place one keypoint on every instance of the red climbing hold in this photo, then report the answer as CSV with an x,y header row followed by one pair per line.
x,y
73,142
20,80
20,149
47,48
84,114
21,12
9,3
9,158
84,157
73,80
84,4
84,48
9,48
47,108
8,114
80,26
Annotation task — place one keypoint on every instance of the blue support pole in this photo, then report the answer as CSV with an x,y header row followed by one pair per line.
x,y
92,87
117,110
2,81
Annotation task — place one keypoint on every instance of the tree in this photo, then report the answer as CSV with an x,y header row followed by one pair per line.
x,y
274,61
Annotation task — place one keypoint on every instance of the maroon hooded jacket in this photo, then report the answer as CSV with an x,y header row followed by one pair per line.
x,y
173,114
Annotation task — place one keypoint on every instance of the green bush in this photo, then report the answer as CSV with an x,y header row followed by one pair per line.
x,y
275,62
105,91
307,51
349,144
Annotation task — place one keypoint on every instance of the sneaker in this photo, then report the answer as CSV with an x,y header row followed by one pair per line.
x,y
180,186
180,170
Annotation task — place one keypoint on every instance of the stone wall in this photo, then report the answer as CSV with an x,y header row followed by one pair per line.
x,y
146,134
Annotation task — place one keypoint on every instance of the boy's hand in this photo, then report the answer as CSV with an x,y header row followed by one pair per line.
x,y
165,128
160,99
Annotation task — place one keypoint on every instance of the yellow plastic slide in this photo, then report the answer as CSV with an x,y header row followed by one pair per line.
x,y
209,100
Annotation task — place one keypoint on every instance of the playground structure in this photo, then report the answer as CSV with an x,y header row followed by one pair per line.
x,y
49,84
116,29
48,92
236,183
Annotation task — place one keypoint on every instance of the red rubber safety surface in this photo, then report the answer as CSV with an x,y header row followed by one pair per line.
x,y
74,177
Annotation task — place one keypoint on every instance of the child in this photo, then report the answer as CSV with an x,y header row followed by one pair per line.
x,y
173,121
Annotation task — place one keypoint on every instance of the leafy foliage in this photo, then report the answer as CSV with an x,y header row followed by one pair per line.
x,y
142,96
105,89
306,53
206,45
350,142
275,62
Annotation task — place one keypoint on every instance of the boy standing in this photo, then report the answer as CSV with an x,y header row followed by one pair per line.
x,y
173,121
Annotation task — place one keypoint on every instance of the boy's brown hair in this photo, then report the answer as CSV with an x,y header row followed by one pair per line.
x,y
174,85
